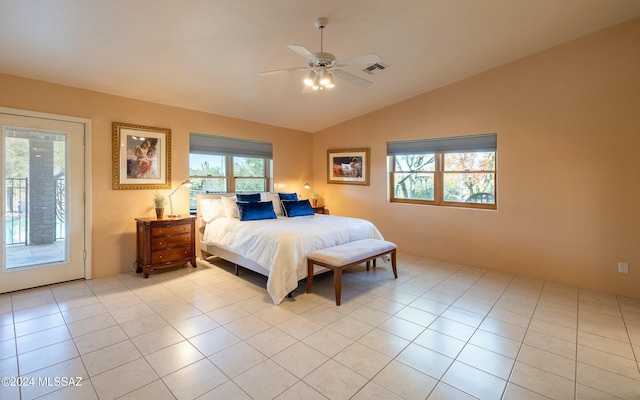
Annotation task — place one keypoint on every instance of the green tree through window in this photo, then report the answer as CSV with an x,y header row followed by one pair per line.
x,y
453,171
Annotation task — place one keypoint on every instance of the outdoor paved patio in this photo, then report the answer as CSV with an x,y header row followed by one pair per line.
x,y
22,255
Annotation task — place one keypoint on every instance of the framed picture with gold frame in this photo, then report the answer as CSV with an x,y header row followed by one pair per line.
x,y
350,166
141,157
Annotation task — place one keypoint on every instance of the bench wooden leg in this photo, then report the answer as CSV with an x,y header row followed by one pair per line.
x,y
337,283
393,263
369,263
309,275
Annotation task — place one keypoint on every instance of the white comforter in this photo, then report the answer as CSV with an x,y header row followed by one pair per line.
x,y
281,245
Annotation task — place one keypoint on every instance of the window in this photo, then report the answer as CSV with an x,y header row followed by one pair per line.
x,y
224,165
207,173
250,174
457,171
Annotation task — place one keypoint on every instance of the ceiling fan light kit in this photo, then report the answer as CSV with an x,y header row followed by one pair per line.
x,y
322,66
319,79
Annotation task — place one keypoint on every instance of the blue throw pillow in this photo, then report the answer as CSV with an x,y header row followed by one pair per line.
x,y
251,198
299,208
288,196
256,210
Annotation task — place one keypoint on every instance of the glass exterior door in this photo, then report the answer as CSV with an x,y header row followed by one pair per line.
x,y
43,191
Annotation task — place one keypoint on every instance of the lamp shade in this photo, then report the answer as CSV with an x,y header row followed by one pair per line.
x,y
329,83
324,77
311,77
316,82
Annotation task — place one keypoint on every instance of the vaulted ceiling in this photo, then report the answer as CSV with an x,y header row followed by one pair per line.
x,y
207,54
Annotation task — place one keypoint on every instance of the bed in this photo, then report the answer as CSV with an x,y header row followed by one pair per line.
x,y
276,248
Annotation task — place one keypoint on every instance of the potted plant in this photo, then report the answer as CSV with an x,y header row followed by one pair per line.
x,y
314,198
159,201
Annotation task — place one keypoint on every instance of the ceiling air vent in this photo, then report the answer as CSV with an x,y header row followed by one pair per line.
x,y
375,68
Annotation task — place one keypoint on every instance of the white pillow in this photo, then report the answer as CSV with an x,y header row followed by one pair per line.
x,y
230,207
211,209
275,199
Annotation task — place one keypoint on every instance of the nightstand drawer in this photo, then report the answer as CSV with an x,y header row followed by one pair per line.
x,y
164,230
163,242
176,254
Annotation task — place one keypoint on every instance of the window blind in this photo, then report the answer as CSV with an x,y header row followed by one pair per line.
x,y
226,146
457,144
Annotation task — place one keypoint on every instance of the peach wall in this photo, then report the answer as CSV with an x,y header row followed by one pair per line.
x,y
114,211
568,125
568,142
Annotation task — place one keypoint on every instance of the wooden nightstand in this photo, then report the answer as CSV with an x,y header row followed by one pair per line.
x,y
318,209
163,243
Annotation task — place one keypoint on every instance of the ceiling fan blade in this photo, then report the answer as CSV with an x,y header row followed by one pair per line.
x,y
349,77
304,53
277,71
363,59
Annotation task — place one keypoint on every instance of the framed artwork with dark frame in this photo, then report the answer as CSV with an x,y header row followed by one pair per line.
x,y
141,157
349,166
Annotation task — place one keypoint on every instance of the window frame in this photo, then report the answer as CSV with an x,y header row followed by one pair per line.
x,y
230,176
455,145
231,180
392,171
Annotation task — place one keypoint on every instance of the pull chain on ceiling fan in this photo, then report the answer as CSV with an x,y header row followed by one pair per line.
x,y
322,66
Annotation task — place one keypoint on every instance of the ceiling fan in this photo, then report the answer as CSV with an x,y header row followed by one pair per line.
x,y
323,67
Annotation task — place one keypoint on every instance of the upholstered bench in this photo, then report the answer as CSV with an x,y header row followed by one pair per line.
x,y
347,255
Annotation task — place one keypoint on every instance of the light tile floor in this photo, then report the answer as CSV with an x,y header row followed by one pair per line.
x,y
440,331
